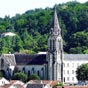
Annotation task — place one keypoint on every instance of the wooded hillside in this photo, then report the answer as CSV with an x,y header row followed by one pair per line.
x,y
32,29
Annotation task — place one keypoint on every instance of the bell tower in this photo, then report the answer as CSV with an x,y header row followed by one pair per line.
x,y
55,51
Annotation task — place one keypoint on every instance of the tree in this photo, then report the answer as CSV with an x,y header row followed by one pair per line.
x,y
20,76
1,74
82,72
34,77
60,84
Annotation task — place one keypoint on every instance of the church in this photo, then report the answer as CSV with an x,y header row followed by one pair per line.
x,y
52,65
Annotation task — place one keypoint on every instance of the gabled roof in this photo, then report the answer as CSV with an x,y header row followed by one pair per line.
x,y
40,83
34,86
26,59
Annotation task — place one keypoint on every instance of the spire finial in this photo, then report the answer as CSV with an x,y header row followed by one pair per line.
x,y
55,25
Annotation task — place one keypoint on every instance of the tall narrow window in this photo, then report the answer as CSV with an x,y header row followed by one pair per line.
x,y
53,44
67,71
67,78
29,73
32,70
67,64
50,44
72,71
42,69
38,73
2,63
23,69
72,64
72,78
64,79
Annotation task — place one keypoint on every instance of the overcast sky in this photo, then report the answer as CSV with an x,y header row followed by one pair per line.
x,y
12,7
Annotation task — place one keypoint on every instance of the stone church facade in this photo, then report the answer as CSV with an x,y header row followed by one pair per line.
x,y
54,65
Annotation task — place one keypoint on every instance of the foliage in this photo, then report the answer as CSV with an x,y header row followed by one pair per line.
x,y
34,77
82,72
20,76
32,29
59,84
1,75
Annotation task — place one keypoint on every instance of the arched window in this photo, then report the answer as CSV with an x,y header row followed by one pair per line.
x,y
32,70
23,70
42,70
2,63
29,73
53,44
50,44
38,73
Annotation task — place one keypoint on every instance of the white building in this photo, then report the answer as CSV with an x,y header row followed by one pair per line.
x,y
3,81
53,65
7,34
70,64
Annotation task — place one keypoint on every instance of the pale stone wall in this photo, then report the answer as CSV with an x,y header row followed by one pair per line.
x,y
69,70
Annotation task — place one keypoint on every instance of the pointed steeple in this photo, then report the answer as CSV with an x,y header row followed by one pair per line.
x,y
55,28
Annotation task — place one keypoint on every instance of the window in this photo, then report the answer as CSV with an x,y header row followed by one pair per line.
x,y
42,75
72,71
2,62
42,69
23,69
67,71
64,79
72,78
67,64
29,73
50,44
38,73
67,78
32,70
72,64
53,44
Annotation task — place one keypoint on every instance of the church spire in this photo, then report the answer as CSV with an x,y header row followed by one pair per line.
x,y
55,30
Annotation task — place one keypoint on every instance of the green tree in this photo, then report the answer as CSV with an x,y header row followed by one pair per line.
x,y
82,72
59,84
1,74
34,77
20,76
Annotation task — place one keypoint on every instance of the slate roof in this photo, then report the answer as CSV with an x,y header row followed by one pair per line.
x,y
75,57
36,83
38,59
26,59
34,86
9,58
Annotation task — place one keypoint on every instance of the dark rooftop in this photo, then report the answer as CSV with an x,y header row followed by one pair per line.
x,y
26,59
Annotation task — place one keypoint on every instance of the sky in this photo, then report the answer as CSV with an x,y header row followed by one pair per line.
x,y
13,7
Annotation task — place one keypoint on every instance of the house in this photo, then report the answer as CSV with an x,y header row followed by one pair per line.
x,y
3,81
7,34
40,84
14,84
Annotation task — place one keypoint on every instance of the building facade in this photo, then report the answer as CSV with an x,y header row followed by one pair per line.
x,y
54,65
